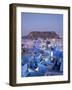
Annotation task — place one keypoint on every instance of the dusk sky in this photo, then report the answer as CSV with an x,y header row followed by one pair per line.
x,y
41,22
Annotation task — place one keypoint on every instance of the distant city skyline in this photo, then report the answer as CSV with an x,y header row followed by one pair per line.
x,y
41,22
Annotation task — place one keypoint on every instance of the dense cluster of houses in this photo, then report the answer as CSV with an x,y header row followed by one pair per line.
x,y
42,57
41,43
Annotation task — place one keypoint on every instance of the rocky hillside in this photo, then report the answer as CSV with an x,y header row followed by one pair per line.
x,y
44,35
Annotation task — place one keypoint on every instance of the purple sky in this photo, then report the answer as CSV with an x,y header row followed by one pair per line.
x,y
41,22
